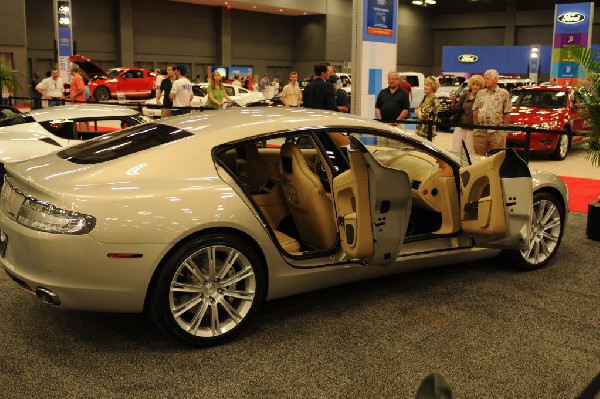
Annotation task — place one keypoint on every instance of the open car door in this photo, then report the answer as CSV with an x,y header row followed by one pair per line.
x,y
372,204
497,201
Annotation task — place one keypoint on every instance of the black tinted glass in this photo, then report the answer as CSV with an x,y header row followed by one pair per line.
x,y
16,120
122,143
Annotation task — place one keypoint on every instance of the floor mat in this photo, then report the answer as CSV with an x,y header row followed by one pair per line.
x,y
581,192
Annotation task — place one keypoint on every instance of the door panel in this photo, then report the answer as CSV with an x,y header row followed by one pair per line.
x,y
497,200
373,204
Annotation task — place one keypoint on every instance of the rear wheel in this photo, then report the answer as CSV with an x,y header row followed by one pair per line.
x,y
547,226
102,93
562,147
208,290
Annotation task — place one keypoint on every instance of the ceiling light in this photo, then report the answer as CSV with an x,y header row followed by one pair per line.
x,y
417,2
430,1
281,10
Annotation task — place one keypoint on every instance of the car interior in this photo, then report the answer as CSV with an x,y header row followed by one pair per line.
x,y
295,189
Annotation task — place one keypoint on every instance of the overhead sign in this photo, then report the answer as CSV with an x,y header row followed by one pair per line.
x,y
572,27
63,22
380,20
468,58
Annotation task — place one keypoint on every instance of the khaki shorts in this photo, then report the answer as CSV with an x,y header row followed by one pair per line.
x,y
165,112
483,141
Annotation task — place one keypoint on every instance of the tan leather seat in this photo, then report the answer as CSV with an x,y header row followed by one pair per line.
x,y
308,203
251,168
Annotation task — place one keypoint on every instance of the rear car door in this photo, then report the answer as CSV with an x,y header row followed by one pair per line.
x,y
497,201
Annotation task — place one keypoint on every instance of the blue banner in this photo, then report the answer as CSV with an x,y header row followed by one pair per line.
x,y
380,21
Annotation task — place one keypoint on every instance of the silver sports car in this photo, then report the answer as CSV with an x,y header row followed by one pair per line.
x,y
199,219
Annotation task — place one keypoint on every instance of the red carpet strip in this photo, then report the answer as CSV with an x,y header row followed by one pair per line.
x,y
581,192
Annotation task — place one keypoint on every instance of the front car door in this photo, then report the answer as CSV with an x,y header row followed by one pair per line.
x,y
497,201
372,206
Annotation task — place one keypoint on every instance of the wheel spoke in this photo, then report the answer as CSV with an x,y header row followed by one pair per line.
x,y
552,224
228,264
211,255
214,319
241,275
188,288
194,269
245,295
544,248
195,323
548,212
235,316
187,305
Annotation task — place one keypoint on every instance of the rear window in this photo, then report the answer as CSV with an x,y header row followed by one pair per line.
x,y
122,143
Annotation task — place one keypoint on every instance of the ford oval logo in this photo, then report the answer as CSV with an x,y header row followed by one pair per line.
x,y
467,58
382,2
572,17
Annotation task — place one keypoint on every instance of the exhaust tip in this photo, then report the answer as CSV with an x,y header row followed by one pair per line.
x,y
47,296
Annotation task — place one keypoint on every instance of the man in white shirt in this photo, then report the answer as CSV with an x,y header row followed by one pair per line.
x,y
237,81
291,96
52,89
181,92
158,81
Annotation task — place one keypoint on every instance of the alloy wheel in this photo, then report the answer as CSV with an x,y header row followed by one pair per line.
x,y
546,230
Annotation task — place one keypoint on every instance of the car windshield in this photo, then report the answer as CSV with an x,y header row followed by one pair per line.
x,y
199,91
539,98
113,73
17,119
122,143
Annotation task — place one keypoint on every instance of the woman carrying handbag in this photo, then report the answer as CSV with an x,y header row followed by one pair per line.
x,y
463,114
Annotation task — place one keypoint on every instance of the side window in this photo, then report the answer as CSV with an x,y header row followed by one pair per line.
x,y
90,128
60,128
229,90
243,91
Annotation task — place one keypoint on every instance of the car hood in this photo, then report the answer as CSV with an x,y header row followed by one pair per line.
x,y
532,115
88,66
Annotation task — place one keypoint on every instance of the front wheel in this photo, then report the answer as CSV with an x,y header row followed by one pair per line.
x,y
562,147
208,290
102,93
547,227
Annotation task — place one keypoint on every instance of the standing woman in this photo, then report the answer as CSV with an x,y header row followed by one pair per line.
x,y
216,92
428,109
463,114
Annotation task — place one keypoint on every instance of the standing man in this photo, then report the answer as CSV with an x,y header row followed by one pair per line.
x,y
404,85
392,103
165,88
341,97
319,93
181,92
77,91
491,107
158,81
52,88
291,95
264,82
35,95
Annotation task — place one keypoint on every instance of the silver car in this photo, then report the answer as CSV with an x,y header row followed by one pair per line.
x,y
198,219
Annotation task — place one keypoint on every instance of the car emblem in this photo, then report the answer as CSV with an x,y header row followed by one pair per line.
x,y
382,2
468,58
571,18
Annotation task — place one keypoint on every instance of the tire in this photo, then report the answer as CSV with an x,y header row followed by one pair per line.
x,y
547,227
102,93
562,147
199,307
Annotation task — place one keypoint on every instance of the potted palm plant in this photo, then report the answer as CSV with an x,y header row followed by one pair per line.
x,y
9,80
590,85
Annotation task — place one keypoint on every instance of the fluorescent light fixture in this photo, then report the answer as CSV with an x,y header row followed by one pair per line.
x,y
417,2
430,1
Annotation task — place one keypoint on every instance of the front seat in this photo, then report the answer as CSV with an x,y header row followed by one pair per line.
x,y
308,203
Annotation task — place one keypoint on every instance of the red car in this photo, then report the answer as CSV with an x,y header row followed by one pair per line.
x,y
104,85
551,108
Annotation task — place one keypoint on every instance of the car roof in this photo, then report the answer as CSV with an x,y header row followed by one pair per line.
x,y
237,124
81,111
545,87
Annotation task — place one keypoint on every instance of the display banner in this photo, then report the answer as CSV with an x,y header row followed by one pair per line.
x,y
63,22
572,27
374,51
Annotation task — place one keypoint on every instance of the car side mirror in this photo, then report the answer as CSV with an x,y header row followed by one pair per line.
x,y
124,77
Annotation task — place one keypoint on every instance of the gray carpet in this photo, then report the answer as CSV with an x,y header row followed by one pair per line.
x,y
491,331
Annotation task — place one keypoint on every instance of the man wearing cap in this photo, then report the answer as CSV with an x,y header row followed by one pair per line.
x,y
181,92
341,97
319,93
291,95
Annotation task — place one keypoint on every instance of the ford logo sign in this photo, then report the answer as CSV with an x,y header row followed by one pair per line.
x,y
571,18
382,2
467,58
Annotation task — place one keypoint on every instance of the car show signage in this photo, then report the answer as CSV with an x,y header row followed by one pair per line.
x,y
64,42
380,22
468,58
572,27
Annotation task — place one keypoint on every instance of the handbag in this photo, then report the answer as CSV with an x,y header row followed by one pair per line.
x,y
458,109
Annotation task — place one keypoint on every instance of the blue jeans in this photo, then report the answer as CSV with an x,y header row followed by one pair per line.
x,y
54,102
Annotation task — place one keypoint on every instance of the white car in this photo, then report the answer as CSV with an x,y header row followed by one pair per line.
x,y
197,220
238,94
41,131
